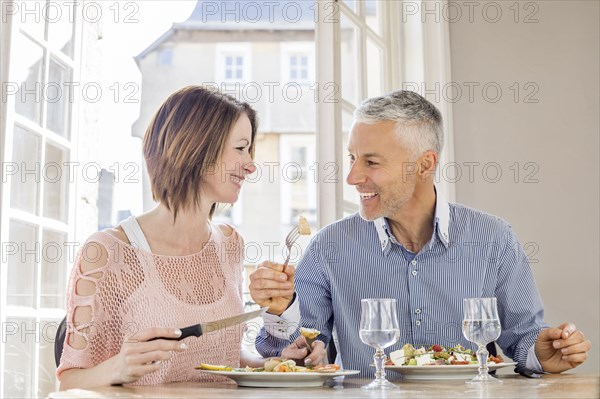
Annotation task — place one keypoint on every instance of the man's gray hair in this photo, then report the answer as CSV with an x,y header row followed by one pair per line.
x,y
418,122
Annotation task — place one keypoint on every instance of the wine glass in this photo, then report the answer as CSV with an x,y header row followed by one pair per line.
x,y
379,329
481,325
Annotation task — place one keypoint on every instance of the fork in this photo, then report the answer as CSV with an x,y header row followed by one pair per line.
x,y
290,239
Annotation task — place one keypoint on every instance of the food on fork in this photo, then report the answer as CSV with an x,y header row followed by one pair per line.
x,y
309,334
303,226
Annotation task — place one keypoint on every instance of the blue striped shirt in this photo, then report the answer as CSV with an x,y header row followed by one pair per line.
x,y
470,254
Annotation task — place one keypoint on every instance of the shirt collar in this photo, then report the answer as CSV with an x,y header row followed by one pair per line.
x,y
441,221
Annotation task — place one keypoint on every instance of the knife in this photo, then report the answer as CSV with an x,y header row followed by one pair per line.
x,y
206,328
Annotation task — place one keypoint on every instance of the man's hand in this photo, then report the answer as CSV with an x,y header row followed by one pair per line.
x,y
298,350
561,348
272,286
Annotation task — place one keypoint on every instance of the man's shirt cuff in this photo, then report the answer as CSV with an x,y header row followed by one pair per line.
x,y
283,326
532,362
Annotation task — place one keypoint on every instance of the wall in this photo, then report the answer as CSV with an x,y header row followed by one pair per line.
x,y
552,203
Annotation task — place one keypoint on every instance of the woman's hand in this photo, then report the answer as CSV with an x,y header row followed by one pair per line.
x,y
140,355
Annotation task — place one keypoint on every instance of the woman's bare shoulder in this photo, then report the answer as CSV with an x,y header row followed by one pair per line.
x,y
118,233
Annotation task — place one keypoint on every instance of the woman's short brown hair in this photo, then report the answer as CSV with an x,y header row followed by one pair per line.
x,y
185,140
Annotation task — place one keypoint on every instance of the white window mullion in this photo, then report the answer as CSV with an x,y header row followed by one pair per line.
x,y
347,106
329,115
393,36
7,32
436,57
22,311
40,232
75,119
375,38
58,139
363,81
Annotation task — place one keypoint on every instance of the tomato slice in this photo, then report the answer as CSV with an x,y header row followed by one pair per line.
x,y
327,368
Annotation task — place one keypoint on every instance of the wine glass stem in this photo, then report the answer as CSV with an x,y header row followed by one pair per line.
x,y
482,357
379,361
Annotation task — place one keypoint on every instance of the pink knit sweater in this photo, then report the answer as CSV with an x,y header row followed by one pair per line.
x,y
138,289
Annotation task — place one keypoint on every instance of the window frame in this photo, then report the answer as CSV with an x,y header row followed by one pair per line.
x,y
431,42
36,314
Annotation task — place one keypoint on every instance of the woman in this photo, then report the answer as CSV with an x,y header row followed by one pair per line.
x,y
171,267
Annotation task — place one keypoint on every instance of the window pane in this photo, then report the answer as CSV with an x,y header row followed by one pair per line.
x,y
60,19
304,61
373,14
228,60
47,369
293,74
56,177
238,74
53,269
239,61
58,101
228,74
19,358
293,60
374,69
22,239
349,45
298,155
26,163
351,3
28,69
31,18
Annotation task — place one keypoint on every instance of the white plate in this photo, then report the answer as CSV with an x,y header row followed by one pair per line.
x,y
446,372
265,379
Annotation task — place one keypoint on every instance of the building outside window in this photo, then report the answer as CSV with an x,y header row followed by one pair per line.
x,y
233,62
299,167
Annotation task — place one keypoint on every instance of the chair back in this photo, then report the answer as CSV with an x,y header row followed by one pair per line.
x,y
59,340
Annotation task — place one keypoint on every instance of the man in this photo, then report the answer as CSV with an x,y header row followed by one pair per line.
x,y
409,244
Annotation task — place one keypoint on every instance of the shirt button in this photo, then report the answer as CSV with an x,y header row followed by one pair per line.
x,y
417,311
414,272
414,262
418,322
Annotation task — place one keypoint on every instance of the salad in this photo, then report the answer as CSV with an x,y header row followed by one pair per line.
x,y
435,355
